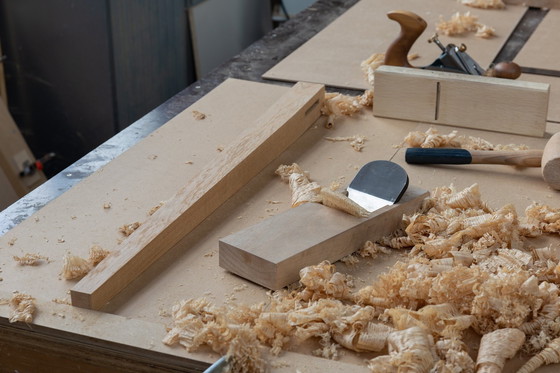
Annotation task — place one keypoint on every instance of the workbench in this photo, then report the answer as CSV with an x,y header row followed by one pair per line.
x,y
126,335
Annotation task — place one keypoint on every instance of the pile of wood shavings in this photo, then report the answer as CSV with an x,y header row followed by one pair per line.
x,y
22,307
75,267
470,268
433,139
484,4
373,62
460,24
337,105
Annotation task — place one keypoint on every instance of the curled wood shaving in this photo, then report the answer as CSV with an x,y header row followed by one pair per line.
x,y
433,139
460,24
496,347
373,62
356,141
550,355
304,190
484,4
30,259
410,350
74,267
337,105
97,254
127,229
22,308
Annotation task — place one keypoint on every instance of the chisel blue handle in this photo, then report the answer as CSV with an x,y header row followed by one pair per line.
x,y
525,158
437,156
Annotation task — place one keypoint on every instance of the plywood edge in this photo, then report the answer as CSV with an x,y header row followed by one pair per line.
x,y
270,134
129,343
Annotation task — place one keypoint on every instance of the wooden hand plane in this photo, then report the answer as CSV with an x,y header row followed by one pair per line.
x,y
452,59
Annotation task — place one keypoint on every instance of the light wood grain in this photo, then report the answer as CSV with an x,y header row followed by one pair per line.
x,y
272,252
270,135
333,56
551,162
502,105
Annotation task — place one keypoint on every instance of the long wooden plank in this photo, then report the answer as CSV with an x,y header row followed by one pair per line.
x,y
271,134
272,252
333,56
502,105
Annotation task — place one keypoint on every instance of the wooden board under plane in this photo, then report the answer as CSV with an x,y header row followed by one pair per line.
x,y
127,333
333,56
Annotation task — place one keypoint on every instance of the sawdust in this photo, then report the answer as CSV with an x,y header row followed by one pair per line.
x,y
128,229
198,115
469,268
463,23
432,138
30,259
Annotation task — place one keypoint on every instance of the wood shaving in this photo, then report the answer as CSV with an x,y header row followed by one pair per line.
x,y
155,208
304,191
337,105
356,141
198,115
373,62
22,308
30,259
470,268
64,301
432,138
97,254
549,355
460,24
127,229
484,4
75,267
496,347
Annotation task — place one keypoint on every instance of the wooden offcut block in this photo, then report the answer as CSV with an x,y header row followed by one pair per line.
x,y
272,252
502,105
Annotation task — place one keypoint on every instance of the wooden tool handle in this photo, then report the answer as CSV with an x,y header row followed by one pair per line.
x,y
525,158
551,162
412,26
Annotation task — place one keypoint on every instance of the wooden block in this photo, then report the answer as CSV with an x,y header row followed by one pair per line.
x,y
502,105
244,158
272,252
